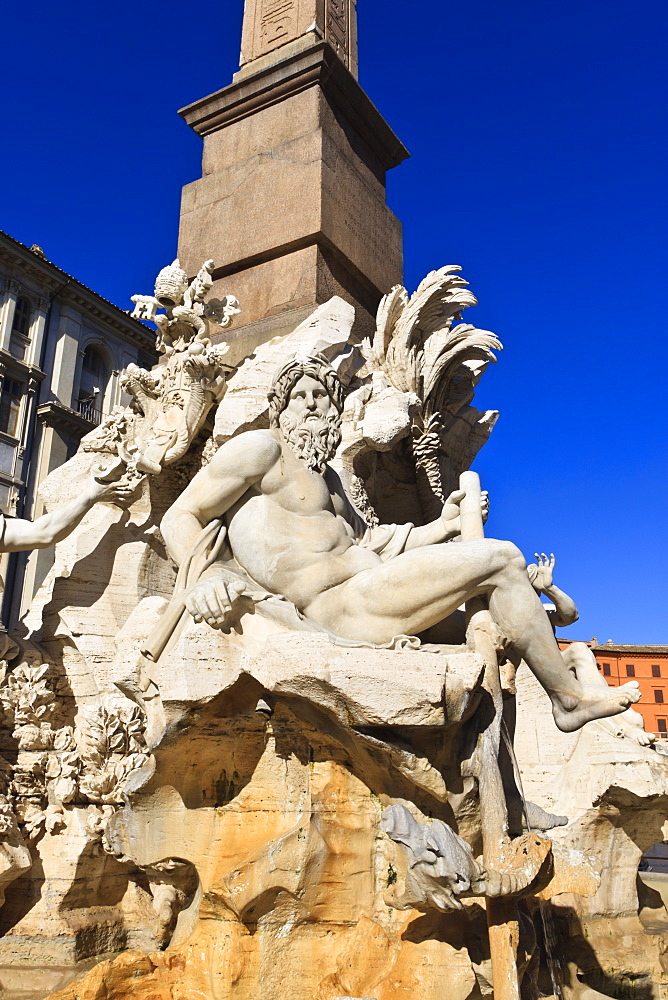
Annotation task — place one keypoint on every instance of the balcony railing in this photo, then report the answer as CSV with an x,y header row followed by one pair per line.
x,y
89,411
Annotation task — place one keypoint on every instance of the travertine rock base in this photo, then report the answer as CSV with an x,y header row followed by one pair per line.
x,y
303,917
615,794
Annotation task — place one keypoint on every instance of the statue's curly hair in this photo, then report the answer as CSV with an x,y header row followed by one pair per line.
x,y
287,376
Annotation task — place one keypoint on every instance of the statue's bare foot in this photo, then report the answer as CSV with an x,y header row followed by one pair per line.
x,y
594,703
640,736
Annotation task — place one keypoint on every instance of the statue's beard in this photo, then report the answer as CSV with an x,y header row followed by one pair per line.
x,y
313,439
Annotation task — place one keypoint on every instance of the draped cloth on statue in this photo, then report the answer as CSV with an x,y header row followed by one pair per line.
x,y
386,540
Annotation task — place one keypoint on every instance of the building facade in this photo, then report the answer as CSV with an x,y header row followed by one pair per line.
x,y
62,349
648,665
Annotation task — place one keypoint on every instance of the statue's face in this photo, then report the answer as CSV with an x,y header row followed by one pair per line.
x,y
310,423
308,398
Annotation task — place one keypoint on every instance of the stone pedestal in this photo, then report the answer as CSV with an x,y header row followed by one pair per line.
x,y
291,202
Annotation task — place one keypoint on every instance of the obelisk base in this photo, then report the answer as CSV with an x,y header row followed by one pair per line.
x,y
291,204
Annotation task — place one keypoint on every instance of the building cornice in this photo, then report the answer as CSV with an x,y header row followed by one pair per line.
x,y
9,365
317,65
607,647
63,285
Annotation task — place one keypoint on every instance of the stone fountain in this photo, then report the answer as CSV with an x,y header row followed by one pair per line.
x,y
259,730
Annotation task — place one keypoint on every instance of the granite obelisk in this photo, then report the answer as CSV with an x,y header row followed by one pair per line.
x,y
291,203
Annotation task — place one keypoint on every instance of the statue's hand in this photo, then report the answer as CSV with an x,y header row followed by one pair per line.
x,y
544,571
450,513
484,505
211,600
119,491
115,484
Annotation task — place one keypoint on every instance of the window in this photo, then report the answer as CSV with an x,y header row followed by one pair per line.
x,y
19,340
656,670
7,453
94,363
22,313
661,726
658,697
630,670
10,406
93,383
606,669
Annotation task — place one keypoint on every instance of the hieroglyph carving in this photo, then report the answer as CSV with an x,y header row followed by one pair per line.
x,y
338,26
276,21
281,21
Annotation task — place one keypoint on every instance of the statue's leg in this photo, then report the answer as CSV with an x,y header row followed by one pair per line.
x,y
411,592
419,588
582,661
574,702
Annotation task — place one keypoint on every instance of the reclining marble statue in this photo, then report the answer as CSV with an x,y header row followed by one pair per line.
x,y
293,531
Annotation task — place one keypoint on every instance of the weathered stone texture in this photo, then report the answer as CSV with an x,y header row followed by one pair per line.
x,y
615,795
271,24
291,203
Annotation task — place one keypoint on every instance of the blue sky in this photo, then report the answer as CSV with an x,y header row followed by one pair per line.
x,y
538,142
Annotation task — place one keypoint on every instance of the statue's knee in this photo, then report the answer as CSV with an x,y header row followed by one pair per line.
x,y
510,555
580,654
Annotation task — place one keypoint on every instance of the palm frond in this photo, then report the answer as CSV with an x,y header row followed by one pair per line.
x,y
389,312
415,342
463,343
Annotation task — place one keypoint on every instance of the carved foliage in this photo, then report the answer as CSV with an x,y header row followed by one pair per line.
x,y
170,403
422,349
57,764
112,746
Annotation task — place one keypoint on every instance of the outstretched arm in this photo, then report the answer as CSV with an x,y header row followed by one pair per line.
x,y
444,528
566,608
20,535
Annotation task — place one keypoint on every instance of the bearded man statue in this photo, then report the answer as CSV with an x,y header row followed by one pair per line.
x,y
312,436
295,533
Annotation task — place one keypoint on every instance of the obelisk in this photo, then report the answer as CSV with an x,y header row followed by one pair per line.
x,y
291,202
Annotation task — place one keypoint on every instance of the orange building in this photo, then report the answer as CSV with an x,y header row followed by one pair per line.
x,y
648,665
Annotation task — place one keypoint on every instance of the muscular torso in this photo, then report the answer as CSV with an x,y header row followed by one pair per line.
x,y
292,532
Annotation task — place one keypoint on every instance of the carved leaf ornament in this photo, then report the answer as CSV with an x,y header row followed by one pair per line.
x,y
416,344
423,349
63,765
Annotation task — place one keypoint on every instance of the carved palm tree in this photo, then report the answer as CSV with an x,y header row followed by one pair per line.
x,y
423,348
